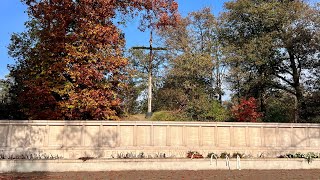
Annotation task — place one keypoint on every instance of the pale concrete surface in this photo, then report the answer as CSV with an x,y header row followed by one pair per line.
x,y
149,164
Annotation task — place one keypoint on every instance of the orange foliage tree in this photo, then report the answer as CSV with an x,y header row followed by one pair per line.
x,y
246,111
69,62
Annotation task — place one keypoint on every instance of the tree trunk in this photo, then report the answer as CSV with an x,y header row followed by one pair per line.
x,y
297,87
219,84
262,102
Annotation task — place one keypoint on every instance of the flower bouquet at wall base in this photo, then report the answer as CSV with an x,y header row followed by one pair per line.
x,y
194,155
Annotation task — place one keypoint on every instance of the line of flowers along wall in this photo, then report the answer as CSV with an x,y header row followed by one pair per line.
x,y
74,139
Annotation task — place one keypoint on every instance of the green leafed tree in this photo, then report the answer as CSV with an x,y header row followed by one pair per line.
x,y
195,67
271,45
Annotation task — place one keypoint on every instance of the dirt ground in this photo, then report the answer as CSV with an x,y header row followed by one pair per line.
x,y
132,175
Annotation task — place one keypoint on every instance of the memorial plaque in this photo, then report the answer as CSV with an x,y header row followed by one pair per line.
x,y
270,136
36,135
299,137
4,135
160,135
239,136
109,136
18,136
208,136
56,135
176,136
255,137
143,133
224,136
284,137
91,136
192,136
126,135
73,135
314,135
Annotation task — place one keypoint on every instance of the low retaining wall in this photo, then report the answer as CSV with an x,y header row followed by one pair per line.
x,y
160,164
74,139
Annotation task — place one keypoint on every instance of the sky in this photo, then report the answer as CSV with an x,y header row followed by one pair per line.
x,y
13,16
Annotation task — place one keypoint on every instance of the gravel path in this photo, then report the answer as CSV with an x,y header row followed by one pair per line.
x,y
132,175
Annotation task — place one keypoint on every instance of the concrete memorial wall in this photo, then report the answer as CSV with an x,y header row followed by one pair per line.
x,y
105,139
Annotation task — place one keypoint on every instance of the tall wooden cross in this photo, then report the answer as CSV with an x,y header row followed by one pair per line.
x,y
149,112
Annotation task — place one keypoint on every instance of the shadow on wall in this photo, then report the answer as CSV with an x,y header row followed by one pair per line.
x,y
85,141
66,139
305,139
23,139
47,142
23,143
75,139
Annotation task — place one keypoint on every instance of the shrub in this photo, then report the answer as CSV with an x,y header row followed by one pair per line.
x,y
218,112
168,116
308,156
246,111
214,155
224,155
234,155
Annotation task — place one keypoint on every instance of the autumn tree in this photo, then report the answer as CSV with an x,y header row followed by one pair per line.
x,y
271,45
246,110
70,62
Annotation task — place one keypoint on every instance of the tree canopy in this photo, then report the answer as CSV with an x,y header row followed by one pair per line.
x,y
72,63
69,62
271,45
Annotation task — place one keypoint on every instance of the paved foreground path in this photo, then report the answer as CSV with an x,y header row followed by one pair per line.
x,y
132,175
